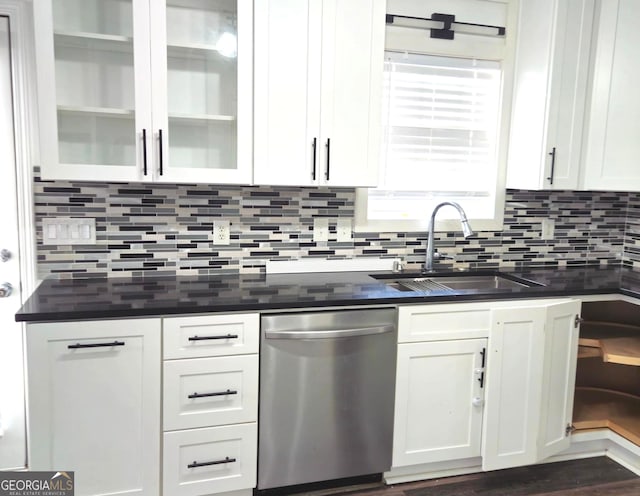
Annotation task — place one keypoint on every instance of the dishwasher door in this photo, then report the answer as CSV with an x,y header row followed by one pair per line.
x,y
327,386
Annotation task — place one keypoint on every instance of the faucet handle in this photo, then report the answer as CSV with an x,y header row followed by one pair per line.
x,y
442,256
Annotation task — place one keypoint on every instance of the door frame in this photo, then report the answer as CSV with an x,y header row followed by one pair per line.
x,y
20,16
26,151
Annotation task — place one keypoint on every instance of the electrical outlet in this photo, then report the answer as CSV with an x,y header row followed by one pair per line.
x,y
221,232
320,229
548,228
344,231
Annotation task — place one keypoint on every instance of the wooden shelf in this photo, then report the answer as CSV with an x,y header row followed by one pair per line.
x,y
625,351
602,408
588,352
96,111
591,332
615,343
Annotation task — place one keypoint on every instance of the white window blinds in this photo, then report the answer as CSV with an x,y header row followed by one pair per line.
x,y
441,123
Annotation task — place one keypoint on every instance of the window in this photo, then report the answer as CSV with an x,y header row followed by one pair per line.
x,y
443,140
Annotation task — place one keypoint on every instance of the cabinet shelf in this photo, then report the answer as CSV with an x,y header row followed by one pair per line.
x,y
97,41
96,111
192,46
615,343
596,408
200,118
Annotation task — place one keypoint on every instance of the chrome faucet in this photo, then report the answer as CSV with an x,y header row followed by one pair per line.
x,y
466,230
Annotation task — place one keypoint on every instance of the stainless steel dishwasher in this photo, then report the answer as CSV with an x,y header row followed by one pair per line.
x,y
327,383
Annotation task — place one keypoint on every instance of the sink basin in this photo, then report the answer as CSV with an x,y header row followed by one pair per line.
x,y
458,282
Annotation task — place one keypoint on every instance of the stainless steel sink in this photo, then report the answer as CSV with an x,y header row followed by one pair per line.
x,y
456,282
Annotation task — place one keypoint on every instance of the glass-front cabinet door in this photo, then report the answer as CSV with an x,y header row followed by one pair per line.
x,y
202,72
94,110
145,90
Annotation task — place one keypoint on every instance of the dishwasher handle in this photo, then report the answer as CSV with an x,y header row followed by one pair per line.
x,y
331,333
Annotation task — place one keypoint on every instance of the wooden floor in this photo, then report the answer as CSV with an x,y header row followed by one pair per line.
x,y
588,477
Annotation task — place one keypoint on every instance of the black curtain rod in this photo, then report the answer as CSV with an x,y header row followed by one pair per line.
x,y
448,20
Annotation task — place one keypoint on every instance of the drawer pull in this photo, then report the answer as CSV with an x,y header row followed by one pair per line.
x,y
206,395
206,464
203,338
95,345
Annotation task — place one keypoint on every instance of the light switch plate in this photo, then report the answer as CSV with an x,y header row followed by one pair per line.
x,y
344,230
320,229
548,228
68,231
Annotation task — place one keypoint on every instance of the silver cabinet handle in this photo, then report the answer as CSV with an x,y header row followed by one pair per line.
x,y
333,333
5,290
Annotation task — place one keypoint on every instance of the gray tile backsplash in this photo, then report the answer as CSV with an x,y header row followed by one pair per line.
x,y
152,228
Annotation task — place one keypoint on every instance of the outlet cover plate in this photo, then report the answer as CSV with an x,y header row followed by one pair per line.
x,y
221,232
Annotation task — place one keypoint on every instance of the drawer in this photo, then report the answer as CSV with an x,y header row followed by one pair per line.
x,y
212,460
210,335
444,321
203,392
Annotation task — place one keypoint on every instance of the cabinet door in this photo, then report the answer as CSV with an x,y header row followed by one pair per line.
x,y
531,368
352,68
94,403
514,387
559,377
612,145
439,396
318,90
202,90
287,92
550,89
94,101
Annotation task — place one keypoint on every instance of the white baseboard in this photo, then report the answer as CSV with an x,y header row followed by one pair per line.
x,y
398,475
588,444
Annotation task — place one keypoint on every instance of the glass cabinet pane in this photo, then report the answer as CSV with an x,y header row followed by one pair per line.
x,y
202,82
95,81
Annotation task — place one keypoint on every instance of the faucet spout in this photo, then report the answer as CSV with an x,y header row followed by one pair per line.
x,y
466,231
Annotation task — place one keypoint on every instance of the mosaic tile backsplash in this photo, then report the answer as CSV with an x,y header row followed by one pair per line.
x,y
147,229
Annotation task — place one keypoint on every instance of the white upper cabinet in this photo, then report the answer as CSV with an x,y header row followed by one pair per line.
x,y
550,93
145,90
612,144
201,69
318,82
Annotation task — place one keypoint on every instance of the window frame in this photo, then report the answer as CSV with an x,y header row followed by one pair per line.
x,y
464,46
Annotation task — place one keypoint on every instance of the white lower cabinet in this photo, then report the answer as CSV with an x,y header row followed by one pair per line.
x,y
94,403
439,396
485,385
210,460
210,391
456,401
210,404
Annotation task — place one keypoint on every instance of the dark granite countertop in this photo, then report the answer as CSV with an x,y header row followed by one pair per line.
x,y
82,299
